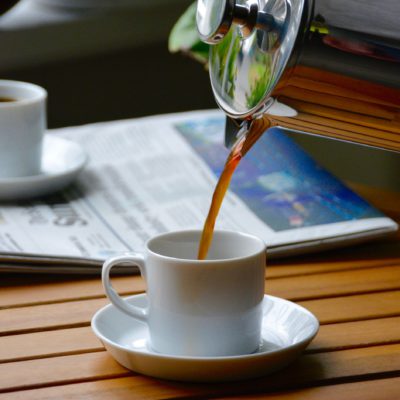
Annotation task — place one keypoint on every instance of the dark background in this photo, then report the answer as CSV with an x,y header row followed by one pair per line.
x,y
123,84
101,60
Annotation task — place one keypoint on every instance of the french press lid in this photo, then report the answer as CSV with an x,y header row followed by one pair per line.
x,y
251,44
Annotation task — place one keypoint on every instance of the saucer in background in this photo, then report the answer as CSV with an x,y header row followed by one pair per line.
x,y
62,160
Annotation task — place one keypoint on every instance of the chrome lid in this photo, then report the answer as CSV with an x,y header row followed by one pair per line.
x,y
251,44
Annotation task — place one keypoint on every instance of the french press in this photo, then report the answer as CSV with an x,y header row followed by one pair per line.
x,y
265,53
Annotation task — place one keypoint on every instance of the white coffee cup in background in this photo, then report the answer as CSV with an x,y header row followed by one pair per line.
x,y
22,126
203,308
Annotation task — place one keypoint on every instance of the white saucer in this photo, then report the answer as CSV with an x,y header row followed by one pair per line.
x,y
286,331
62,160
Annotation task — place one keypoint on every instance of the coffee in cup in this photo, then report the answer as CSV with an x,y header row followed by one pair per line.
x,y
6,99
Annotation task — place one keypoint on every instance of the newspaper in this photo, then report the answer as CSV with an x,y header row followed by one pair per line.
x,y
157,174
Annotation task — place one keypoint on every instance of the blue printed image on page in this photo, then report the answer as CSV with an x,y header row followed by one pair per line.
x,y
278,180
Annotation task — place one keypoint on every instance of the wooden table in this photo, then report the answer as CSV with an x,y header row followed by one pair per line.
x,y
47,349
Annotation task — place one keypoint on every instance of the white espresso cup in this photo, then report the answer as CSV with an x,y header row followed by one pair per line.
x,y
203,308
22,126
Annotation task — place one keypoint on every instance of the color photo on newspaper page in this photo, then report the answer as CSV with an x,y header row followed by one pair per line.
x,y
280,182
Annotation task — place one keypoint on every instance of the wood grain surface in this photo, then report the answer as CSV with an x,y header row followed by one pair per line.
x,y
47,349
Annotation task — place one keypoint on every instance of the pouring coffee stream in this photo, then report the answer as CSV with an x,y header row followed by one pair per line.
x,y
317,67
243,144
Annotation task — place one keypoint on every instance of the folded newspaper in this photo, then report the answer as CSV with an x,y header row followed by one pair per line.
x,y
157,174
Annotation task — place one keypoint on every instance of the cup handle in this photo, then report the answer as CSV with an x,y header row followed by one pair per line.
x,y
139,313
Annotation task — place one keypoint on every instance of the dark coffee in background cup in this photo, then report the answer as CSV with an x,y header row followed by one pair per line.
x,y
6,99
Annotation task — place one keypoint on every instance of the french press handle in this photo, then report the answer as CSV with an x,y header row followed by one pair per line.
x,y
215,17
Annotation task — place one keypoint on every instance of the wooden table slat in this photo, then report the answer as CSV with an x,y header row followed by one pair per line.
x,y
57,370
355,308
129,388
26,295
48,344
309,369
335,283
294,282
368,390
49,316
79,313
321,265
294,287
81,340
356,334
